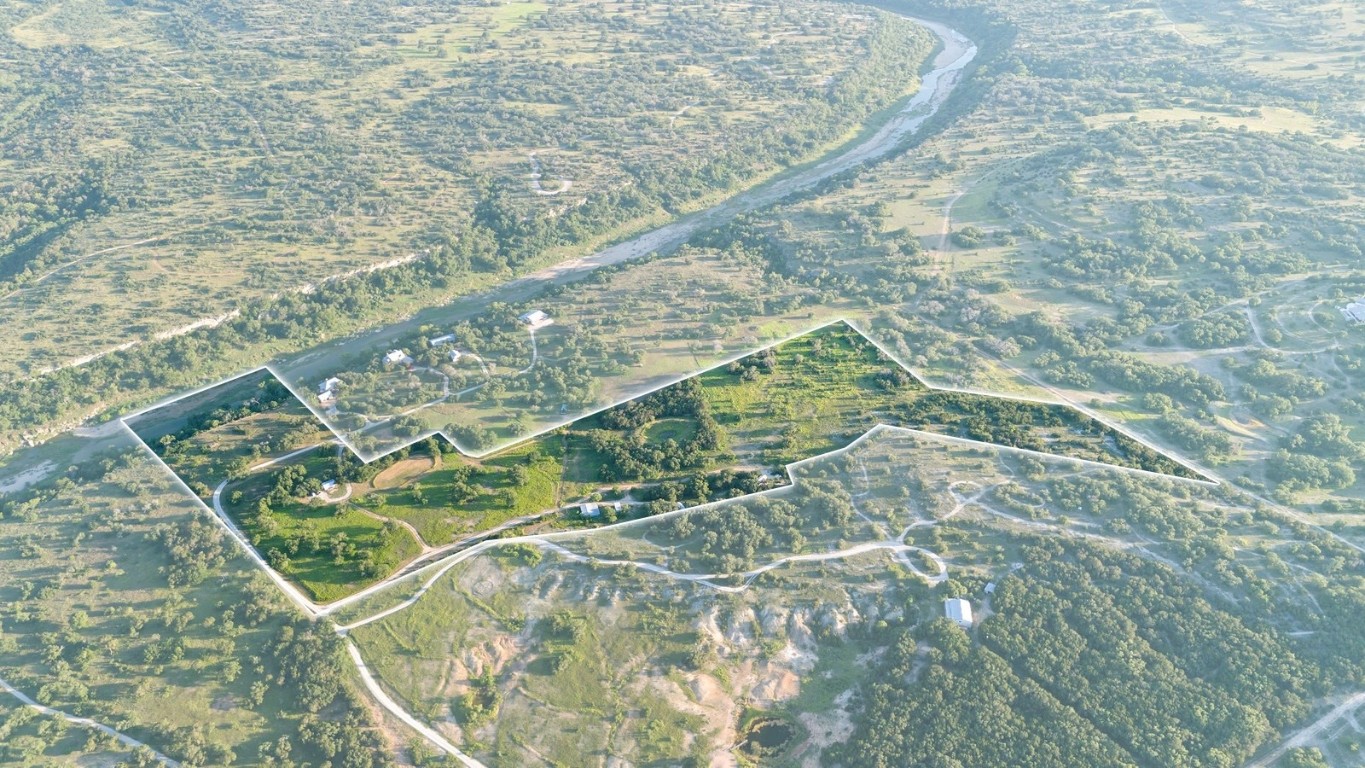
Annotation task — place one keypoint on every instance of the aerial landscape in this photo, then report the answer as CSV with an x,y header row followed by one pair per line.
x,y
733,383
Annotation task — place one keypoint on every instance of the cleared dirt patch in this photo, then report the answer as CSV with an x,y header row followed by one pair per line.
x,y
403,471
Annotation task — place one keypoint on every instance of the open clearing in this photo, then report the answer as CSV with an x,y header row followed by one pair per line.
x,y
403,471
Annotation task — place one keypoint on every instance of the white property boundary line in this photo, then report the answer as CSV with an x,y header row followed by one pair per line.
x,y
233,531
123,738
317,610
792,470
506,445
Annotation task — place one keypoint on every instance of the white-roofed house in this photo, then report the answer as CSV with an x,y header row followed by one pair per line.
x,y
537,319
329,385
397,357
1355,311
959,610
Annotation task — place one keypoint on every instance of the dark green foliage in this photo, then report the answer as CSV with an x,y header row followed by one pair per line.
x,y
1209,445
1214,331
967,707
627,454
1091,657
197,549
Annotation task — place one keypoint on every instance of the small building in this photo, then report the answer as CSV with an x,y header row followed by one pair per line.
x,y
990,588
328,396
617,506
589,511
537,319
455,355
1355,311
397,357
959,610
327,487
329,385
441,341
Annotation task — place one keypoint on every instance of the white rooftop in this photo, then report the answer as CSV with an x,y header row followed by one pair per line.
x,y
537,319
959,610
1355,311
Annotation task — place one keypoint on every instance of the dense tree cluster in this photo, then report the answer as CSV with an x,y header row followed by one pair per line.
x,y
268,394
731,538
622,441
1089,653
196,550
1319,455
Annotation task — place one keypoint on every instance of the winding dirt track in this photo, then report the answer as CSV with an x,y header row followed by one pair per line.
x,y
958,52
1309,732
85,722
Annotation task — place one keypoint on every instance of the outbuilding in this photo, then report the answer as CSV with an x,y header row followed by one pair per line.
x,y
959,610
537,319
1355,311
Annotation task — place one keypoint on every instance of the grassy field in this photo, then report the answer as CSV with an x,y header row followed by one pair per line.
x,y
1129,222
821,394
277,426
332,549
157,620
616,335
29,738
1121,174
226,432
494,494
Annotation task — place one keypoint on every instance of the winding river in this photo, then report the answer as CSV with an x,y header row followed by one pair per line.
x,y
934,90
936,86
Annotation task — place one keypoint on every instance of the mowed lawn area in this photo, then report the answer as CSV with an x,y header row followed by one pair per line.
x,y
464,496
329,549
812,395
